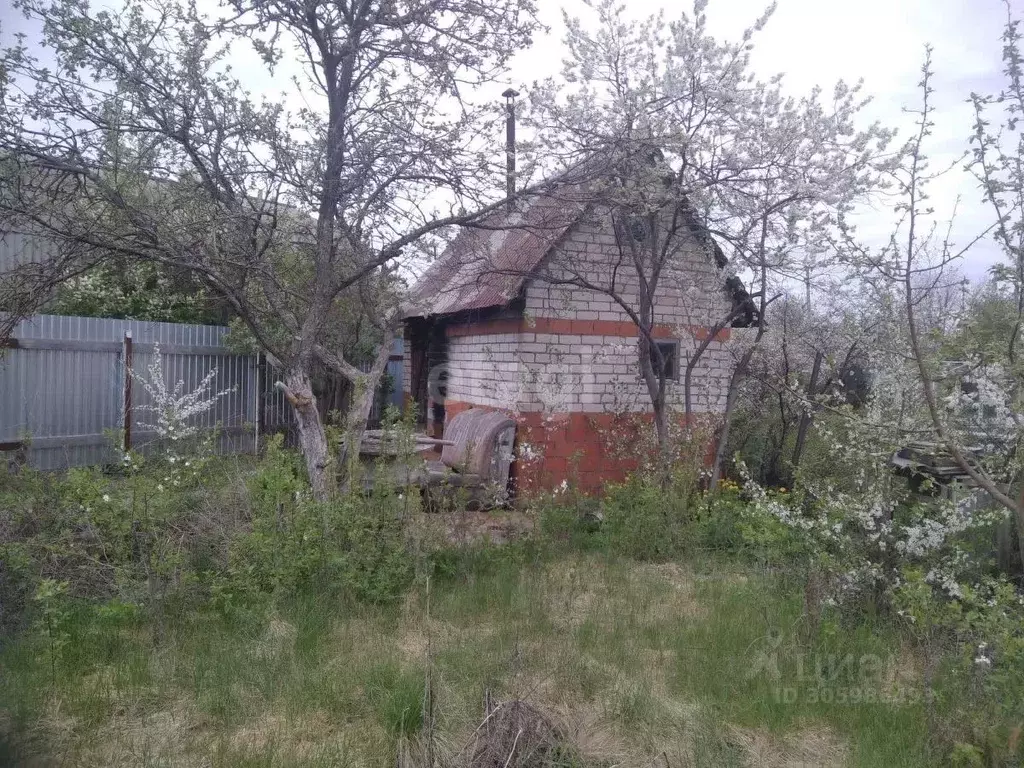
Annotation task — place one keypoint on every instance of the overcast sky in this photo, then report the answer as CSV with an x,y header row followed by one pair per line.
x,y
816,42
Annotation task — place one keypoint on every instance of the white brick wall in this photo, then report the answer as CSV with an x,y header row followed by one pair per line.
x,y
484,370
691,293
560,373
691,289
557,373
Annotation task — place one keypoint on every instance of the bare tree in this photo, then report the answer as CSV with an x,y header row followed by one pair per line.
x,y
158,152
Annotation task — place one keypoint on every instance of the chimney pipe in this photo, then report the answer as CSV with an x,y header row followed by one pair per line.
x,y
510,146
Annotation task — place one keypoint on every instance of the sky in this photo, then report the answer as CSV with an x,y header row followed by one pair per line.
x,y
816,42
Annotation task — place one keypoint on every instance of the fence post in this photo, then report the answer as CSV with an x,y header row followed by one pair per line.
x,y
256,405
127,356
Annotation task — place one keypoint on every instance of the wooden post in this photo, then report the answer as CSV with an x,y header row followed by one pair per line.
x,y
127,354
256,405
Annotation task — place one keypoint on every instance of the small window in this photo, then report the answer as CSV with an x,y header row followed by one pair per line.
x,y
638,228
670,352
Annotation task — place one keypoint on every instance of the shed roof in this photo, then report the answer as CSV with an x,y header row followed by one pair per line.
x,y
487,263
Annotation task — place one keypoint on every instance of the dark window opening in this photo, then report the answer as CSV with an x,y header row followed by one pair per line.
x,y
638,228
670,354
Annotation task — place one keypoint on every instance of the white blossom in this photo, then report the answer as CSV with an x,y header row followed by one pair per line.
x,y
176,409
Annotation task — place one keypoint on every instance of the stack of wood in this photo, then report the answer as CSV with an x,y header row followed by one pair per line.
x,y
920,461
931,459
378,442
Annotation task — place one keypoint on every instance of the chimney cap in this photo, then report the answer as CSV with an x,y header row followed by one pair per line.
x,y
510,93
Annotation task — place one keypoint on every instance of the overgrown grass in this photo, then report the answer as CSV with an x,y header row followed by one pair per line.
x,y
234,622
634,660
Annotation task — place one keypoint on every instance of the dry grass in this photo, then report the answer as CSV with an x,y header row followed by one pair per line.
x,y
175,736
466,528
813,747
630,665
645,595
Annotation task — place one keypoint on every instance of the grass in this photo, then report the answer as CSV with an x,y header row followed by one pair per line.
x,y
694,664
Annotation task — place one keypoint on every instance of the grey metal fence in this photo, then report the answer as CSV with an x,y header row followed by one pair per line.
x,y
17,249
63,382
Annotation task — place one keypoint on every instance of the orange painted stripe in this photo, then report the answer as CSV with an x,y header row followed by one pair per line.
x,y
560,325
486,327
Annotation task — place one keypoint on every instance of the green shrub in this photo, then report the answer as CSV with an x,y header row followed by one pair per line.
x,y
372,559
280,476
237,534
18,577
305,544
646,521
53,619
720,522
356,542
106,535
570,521
981,634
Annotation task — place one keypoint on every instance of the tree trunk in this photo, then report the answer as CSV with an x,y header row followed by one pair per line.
x,y
364,390
1019,514
656,389
730,405
664,437
298,389
805,417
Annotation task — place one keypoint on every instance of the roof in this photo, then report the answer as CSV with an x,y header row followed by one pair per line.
x,y
488,262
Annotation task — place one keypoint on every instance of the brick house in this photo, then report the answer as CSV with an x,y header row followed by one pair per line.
x,y
491,325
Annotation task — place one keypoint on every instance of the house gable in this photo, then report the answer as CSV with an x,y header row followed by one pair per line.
x,y
512,332
563,359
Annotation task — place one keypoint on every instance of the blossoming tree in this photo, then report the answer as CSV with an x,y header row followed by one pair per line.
x,y
936,381
693,140
137,140
970,407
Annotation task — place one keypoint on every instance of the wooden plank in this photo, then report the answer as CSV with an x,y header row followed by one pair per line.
x,y
419,439
430,441
127,404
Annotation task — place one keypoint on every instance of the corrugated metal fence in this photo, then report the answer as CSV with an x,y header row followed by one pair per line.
x,y
62,387
17,249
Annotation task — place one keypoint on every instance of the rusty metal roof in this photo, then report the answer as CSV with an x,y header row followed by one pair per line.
x,y
487,263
